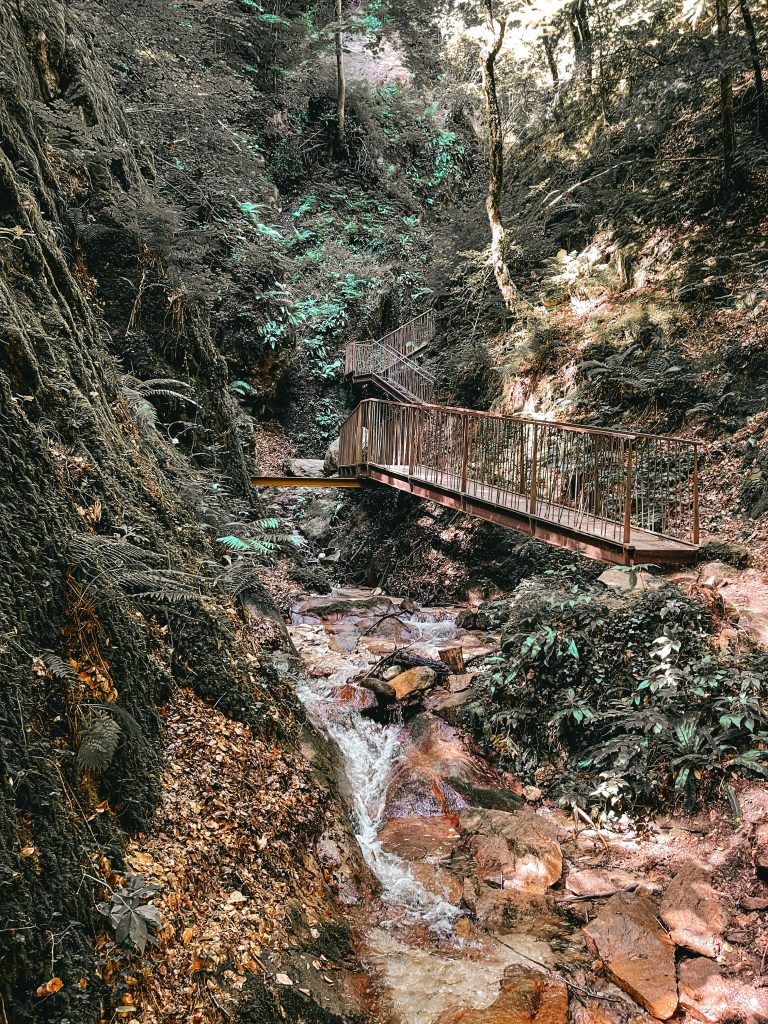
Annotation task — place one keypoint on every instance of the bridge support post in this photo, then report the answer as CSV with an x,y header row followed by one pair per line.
x,y
361,436
464,457
628,496
534,470
411,439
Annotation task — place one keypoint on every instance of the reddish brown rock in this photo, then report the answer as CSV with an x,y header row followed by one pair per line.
x,y
534,861
526,997
495,860
599,881
416,838
638,955
692,912
707,994
353,696
414,681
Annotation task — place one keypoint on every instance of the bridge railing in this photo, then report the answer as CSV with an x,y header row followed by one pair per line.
x,y
408,338
597,481
372,358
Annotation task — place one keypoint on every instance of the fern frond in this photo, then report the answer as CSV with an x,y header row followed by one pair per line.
x,y
234,544
60,668
135,571
99,743
132,727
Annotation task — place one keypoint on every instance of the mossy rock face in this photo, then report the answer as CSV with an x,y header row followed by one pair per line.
x,y
486,797
736,555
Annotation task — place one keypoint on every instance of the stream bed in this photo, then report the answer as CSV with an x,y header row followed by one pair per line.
x,y
464,865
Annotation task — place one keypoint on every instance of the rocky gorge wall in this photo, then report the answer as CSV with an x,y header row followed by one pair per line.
x,y
109,598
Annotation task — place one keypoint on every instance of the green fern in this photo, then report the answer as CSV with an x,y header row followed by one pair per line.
x,y
59,668
100,741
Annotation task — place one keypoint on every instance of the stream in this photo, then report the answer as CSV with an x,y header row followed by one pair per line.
x,y
456,910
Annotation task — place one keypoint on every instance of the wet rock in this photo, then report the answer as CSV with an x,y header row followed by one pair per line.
x,y
526,997
692,912
336,607
638,955
414,682
385,693
415,838
466,619
736,555
353,696
413,790
535,860
711,996
495,860
599,881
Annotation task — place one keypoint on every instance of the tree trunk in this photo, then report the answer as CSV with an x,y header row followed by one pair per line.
x,y
754,51
726,95
496,29
341,87
549,50
578,19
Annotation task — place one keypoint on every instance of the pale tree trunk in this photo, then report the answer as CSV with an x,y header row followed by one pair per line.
x,y
581,32
726,95
754,51
341,86
496,29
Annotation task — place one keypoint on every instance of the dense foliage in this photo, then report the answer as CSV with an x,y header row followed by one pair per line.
x,y
623,701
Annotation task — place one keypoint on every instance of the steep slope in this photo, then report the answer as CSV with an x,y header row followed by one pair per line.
x,y
112,593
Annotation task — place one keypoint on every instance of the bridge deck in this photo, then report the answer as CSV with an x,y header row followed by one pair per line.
x,y
556,524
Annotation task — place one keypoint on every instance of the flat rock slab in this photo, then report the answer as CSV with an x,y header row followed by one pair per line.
x,y
336,606
624,581
526,997
692,911
638,955
599,881
711,996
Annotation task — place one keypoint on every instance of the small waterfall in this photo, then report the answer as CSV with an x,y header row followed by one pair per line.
x,y
370,752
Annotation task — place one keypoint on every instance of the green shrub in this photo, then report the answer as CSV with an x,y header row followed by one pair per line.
x,y
620,702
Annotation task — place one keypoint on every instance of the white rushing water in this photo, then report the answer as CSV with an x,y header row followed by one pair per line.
x,y
370,751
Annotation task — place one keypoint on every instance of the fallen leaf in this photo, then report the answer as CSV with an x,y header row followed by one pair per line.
x,y
187,935
283,979
237,897
50,987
